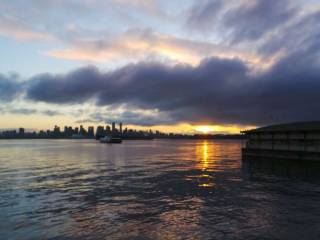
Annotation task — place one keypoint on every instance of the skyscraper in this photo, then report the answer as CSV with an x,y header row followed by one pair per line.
x,y
21,132
56,131
90,131
100,132
113,127
108,130
82,131
120,127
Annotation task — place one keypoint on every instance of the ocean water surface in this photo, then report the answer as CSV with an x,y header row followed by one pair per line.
x,y
159,189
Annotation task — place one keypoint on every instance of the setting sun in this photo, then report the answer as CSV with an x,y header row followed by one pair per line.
x,y
205,129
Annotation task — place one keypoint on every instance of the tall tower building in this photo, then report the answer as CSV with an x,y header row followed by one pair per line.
x,y
120,127
21,132
113,127
65,131
108,130
56,131
100,132
82,131
91,131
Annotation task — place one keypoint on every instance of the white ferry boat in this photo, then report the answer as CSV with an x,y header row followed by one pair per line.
x,y
110,139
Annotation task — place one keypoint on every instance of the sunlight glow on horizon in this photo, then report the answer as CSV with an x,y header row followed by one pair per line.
x,y
205,129
38,123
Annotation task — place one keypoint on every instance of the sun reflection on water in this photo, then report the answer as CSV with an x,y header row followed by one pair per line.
x,y
211,157
205,180
204,160
205,155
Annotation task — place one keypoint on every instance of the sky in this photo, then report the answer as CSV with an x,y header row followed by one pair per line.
x,y
172,65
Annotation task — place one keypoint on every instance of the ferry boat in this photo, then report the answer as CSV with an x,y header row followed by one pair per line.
x,y
110,139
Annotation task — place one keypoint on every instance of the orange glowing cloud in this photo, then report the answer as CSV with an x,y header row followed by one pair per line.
x,y
137,45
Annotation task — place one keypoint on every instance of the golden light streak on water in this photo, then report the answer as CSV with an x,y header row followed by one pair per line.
x,y
205,155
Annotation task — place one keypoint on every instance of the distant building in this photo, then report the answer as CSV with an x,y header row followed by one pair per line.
x,y
82,131
100,132
68,132
10,134
108,130
56,131
120,127
90,131
113,130
21,132
65,131
42,134
300,141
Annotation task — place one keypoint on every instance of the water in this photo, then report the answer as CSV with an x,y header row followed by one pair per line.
x,y
161,189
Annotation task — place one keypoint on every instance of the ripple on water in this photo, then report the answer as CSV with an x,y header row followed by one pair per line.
x,y
80,189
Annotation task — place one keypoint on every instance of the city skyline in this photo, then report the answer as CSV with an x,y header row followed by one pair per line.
x,y
177,66
193,130
113,130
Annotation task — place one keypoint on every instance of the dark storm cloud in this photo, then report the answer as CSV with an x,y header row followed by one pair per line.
x,y
253,20
9,87
145,85
218,90
169,88
77,86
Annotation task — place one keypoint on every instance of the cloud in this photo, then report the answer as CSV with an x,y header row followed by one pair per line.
x,y
298,35
240,21
218,90
50,113
22,111
129,116
28,111
77,86
24,34
194,81
253,19
144,5
13,25
47,21
137,45
78,30
9,87
202,15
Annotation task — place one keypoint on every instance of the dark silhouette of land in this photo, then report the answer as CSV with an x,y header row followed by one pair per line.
x,y
101,131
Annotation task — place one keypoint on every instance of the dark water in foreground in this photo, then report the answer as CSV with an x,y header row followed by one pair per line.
x,y
64,189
